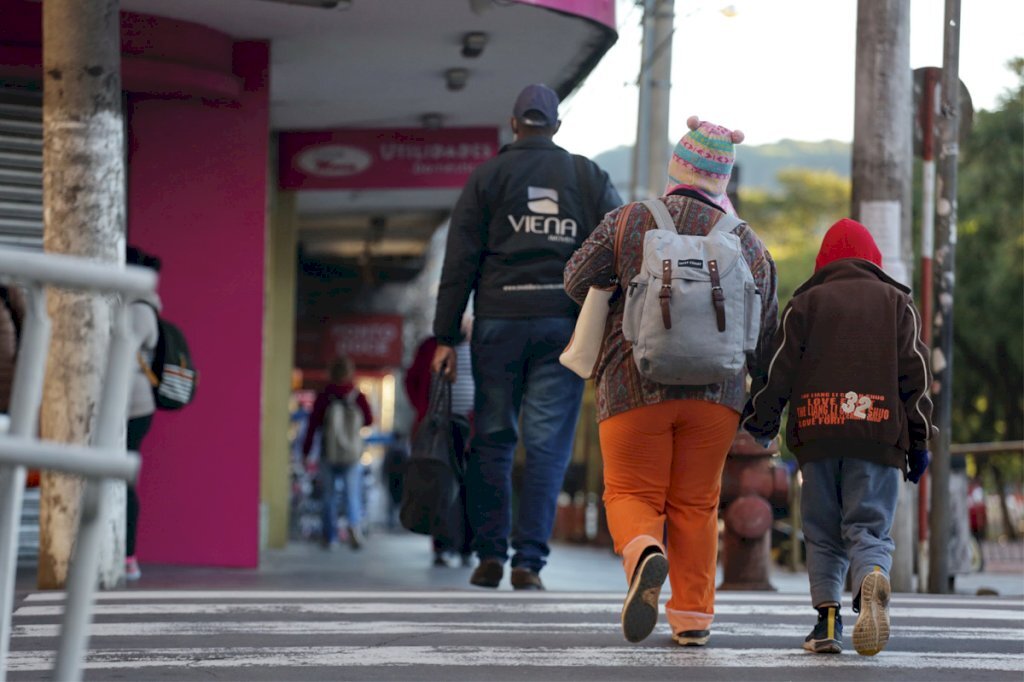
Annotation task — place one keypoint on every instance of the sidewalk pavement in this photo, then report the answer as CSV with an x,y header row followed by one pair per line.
x,y
403,561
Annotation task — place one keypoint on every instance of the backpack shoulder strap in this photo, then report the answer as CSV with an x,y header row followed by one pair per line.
x,y
661,215
727,223
620,231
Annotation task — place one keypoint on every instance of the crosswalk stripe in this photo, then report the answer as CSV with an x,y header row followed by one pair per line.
x,y
412,627
295,608
464,595
511,657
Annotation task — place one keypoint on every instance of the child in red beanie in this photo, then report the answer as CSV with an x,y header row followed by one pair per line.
x,y
849,361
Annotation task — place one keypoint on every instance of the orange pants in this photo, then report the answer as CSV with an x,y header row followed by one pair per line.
x,y
663,465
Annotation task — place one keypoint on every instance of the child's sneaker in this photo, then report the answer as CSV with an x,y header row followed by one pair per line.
x,y
640,610
131,568
871,633
827,635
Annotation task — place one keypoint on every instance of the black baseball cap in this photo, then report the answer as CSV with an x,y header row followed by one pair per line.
x,y
536,105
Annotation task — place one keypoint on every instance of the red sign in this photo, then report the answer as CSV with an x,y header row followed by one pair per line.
x,y
383,159
370,340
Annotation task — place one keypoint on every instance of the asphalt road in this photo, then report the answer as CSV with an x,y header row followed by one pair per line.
x,y
468,634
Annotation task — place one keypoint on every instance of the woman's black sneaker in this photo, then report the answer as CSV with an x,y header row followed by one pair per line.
x,y
692,637
640,610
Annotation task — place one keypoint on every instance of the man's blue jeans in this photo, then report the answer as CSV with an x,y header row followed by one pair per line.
x,y
352,478
516,370
847,506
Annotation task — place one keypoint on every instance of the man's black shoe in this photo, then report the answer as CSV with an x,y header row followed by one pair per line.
x,y
488,573
526,579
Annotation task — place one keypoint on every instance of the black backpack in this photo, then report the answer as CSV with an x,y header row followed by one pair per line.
x,y
172,374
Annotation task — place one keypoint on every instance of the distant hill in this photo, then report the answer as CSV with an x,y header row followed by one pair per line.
x,y
759,164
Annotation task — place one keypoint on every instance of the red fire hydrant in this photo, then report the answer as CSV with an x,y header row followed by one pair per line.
x,y
753,481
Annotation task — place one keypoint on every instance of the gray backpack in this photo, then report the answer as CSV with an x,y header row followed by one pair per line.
x,y
693,311
342,442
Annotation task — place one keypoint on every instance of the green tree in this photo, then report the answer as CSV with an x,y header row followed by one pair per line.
x,y
792,221
988,326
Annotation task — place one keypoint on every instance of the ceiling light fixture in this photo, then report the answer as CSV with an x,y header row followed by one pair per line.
x,y
456,79
432,120
473,44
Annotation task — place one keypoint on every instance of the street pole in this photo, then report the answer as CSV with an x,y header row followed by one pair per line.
x,y
945,274
638,176
882,174
84,215
928,108
651,151
660,66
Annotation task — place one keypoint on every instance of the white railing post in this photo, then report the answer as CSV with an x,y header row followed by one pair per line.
x,y
103,459
26,394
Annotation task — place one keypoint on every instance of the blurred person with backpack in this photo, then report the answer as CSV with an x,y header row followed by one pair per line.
x,y
339,413
666,423
144,323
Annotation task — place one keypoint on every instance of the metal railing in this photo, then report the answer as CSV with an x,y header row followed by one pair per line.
x,y
99,462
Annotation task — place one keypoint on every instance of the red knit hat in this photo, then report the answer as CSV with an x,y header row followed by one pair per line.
x,y
847,239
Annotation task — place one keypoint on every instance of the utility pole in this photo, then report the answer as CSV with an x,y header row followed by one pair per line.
x,y
84,215
927,110
945,261
882,172
651,152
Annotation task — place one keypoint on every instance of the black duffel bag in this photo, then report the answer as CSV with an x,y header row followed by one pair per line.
x,y
434,471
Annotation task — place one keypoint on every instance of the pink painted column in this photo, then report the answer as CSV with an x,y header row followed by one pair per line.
x,y
197,186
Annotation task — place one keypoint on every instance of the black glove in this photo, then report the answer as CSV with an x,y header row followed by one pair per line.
x,y
917,462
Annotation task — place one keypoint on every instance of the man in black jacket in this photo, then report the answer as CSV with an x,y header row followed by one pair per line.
x,y
520,217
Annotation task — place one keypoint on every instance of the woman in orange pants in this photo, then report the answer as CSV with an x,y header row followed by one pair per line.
x,y
664,446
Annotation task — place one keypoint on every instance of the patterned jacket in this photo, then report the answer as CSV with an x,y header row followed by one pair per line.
x,y
619,385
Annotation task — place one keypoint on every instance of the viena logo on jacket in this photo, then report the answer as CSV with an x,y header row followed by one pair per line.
x,y
544,201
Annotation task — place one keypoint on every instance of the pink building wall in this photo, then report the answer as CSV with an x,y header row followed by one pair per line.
x,y
197,184
198,131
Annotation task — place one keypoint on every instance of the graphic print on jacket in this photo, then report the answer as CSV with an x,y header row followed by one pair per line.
x,y
544,200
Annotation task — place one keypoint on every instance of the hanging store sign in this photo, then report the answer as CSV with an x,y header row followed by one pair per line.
x,y
372,341
383,159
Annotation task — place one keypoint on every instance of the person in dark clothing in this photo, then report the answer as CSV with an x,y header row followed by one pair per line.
x,y
418,382
12,316
392,468
849,361
342,383
519,218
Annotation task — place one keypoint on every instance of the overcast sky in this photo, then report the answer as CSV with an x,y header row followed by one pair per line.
x,y
777,68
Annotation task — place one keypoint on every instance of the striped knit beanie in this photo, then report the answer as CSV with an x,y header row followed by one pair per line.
x,y
703,161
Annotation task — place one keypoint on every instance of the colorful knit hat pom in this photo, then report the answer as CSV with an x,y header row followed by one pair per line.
x,y
703,160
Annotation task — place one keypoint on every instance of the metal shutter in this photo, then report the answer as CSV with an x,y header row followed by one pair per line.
x,y
21,169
